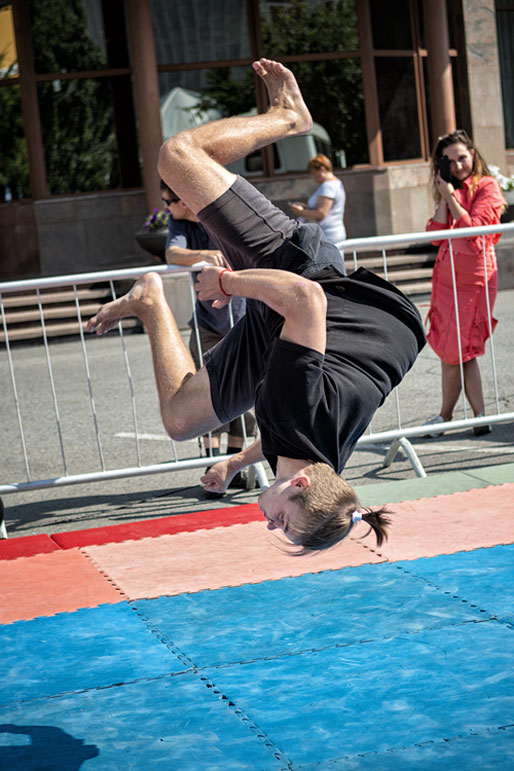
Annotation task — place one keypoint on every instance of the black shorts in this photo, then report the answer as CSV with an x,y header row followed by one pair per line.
x,y
247,228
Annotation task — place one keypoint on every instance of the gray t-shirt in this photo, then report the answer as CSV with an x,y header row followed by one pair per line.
x,y
332,225
192,235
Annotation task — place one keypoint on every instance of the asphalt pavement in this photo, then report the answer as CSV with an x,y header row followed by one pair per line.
x,y
138,498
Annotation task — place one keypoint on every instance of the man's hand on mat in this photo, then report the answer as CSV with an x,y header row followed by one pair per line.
x,y
219,476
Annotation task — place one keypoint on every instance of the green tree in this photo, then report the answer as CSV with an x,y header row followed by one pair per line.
x,y
14,167
226,93
76,115
332,87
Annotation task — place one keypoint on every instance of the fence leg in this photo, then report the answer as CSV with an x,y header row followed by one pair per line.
x,y
257,472
3,529
391,453
410,452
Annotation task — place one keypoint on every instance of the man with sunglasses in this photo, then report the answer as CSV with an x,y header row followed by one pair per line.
x,y
316,352
189,243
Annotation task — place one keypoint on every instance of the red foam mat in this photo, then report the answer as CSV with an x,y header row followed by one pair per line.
x,y
26,546
180,523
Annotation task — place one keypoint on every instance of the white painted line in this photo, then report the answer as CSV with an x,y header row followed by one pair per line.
x,y
154,437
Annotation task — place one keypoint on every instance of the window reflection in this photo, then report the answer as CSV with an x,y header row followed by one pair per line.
x,y
295,27
79,137
505,27
74,37
391,28
200,31
398,108
14,175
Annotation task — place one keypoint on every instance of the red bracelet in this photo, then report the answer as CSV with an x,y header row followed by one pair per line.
x,y
225,270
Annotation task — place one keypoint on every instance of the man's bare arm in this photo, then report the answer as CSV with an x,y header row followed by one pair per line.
x,y
218,477
177,255
301,302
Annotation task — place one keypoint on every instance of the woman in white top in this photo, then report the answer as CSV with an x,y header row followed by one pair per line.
x,y
326,205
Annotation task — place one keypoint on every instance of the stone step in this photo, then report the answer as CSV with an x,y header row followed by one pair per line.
x,y
63,329
412,273
63,311
415,288
51,296
394,261
409,274
22,314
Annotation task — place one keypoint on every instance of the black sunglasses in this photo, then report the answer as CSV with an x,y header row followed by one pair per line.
x,y
167,202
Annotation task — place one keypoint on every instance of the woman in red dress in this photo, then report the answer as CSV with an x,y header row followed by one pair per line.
x,y
473,198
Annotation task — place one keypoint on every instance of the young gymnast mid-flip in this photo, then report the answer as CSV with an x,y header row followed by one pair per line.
x,y
317,352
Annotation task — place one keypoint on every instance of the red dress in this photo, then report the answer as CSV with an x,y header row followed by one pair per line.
x,y
483,207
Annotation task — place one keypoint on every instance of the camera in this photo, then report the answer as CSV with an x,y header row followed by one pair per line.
x,y
444,168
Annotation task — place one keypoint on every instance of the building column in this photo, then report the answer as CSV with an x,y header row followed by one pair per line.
x,y
485,95
440,81
144,67
369,85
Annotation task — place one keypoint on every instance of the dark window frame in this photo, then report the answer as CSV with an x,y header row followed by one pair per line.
x,y
365,53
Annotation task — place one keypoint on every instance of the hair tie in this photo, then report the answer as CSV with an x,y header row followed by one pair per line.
x,y
225,270
356,516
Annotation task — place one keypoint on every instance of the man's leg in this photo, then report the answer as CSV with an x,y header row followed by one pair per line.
x,y
184,397
192,162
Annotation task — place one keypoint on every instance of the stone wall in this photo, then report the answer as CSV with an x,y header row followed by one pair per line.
x,y
90,232
379,201
19,251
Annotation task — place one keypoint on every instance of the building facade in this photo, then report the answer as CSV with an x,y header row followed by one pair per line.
x,y
89,88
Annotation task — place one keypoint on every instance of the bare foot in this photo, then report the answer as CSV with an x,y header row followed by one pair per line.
x,y
146,292
284,92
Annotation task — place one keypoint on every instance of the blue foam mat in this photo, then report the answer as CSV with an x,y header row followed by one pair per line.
x,y
289,616
488,751
484,577
379,695
170,723
91,648
408,664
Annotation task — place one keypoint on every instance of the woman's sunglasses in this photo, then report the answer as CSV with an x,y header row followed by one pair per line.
x,y
458,133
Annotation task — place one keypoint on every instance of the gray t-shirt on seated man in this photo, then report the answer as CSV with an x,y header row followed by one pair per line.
x,y
192,235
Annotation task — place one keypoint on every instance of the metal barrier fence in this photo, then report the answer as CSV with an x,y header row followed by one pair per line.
x,y
399,436
41,433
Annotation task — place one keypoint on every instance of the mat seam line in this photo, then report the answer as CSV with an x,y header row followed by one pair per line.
x,y
103,573
241,715
400,747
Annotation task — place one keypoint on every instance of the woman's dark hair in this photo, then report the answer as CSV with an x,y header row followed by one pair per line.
x,y
479,168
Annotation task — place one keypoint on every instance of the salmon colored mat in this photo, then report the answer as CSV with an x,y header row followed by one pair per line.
x,y
51,583
451,523
192,562
242,553
210,559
